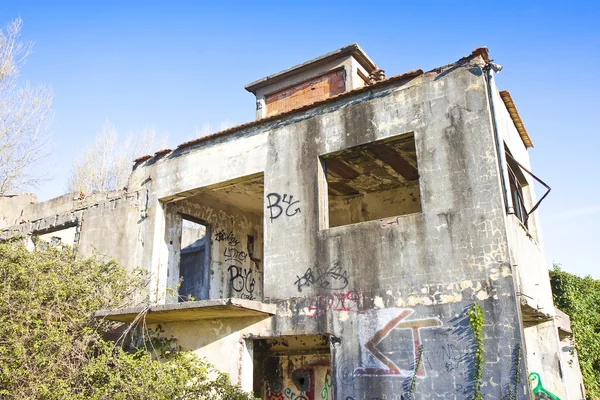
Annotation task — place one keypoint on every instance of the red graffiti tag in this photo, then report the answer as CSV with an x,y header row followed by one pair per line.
x,y
349,301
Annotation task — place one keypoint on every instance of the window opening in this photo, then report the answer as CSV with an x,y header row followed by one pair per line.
x,y
517,183
372,181
194,260
64,235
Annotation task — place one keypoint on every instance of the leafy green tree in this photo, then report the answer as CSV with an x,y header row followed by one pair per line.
x,y
580,298
51,347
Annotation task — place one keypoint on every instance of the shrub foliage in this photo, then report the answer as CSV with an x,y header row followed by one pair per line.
x,y
580,298
51,347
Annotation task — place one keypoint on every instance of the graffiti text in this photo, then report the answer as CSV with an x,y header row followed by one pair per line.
x,y
333,278
233,254
348,301
241,279
228,237
279,205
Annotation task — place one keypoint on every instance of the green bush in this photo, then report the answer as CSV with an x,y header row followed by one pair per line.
x,y
51,347
580,298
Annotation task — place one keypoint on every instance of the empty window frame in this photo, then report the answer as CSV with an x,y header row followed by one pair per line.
x,y
194,261
517,182
372,181
64,235
520,192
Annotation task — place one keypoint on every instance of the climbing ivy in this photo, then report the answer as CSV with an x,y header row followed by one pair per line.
x,y
475,314
413,379
512,391
51,347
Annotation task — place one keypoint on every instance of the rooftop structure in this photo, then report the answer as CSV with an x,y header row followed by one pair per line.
x,y
326,76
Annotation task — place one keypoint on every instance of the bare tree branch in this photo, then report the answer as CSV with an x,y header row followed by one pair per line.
x,y
25,116
105,164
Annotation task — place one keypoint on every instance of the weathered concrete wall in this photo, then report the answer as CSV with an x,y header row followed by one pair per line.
x,y
529,263
114,228
106,223
12,206
358,76
570,367
222,342
569,359
542,358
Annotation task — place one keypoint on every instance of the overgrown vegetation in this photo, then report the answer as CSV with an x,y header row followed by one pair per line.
x,y
51,347
580,298
413,380
475,313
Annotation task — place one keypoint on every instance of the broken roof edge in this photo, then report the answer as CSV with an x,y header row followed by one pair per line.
x,y
158,154
516,118
353,49
480,51
162,152
197,308
142,158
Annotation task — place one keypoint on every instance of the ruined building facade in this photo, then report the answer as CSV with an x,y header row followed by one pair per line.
x,y
336,247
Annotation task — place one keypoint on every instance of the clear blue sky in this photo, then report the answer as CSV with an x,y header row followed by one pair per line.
x,y
178,65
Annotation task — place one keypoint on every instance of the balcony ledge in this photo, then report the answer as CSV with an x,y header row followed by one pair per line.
x,y
191,311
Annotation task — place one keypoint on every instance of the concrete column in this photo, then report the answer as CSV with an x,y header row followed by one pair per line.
x,y
261,107
158,254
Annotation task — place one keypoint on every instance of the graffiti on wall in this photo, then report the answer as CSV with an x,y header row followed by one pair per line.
x,y
279,205
232,254
326,386
229,237
242,281
350,301
450,355
291,395
391,351
309,380
333,278
535,380
405,343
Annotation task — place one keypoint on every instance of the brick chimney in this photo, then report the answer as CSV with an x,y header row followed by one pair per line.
x,y
337,72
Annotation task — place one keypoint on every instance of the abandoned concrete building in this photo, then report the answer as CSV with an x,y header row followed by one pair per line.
x,y
334,248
